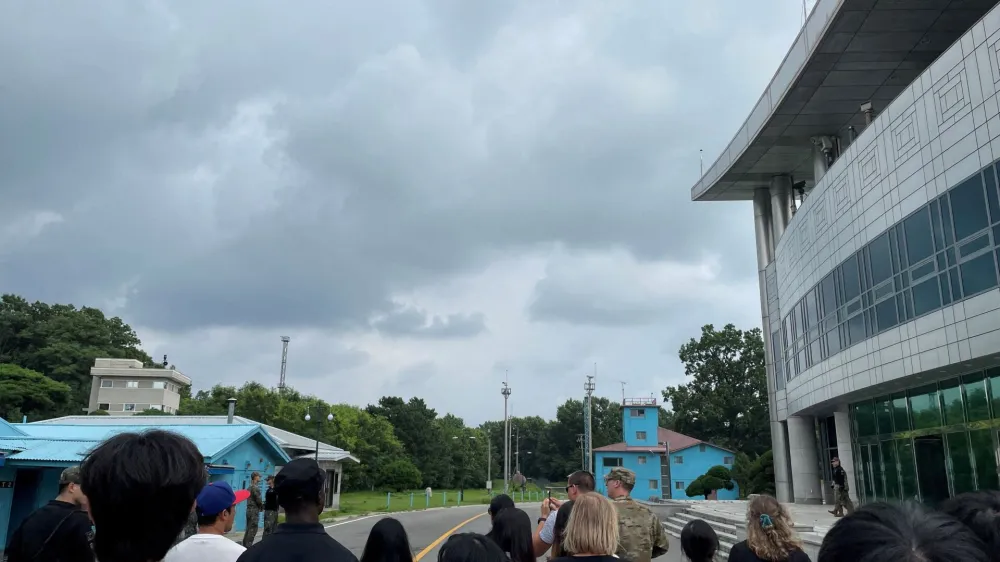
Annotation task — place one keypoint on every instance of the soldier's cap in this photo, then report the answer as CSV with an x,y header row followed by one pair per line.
x,y
623,475
835,459
301,478
217,497
70,476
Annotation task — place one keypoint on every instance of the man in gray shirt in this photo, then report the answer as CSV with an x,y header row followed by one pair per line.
x,y
580,482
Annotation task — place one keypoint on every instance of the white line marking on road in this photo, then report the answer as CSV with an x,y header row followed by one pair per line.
x,y
353,520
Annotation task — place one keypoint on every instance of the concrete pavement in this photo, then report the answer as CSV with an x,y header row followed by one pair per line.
x,y
427,530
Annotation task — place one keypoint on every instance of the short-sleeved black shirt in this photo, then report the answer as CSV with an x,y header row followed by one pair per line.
x,y
70,542
302,542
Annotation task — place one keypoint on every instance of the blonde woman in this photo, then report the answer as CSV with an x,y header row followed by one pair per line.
x,y
770,537
592,531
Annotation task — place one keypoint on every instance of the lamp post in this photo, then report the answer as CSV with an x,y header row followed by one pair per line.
x,y
319,426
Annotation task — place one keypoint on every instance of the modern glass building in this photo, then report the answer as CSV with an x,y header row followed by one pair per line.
x,y
871,160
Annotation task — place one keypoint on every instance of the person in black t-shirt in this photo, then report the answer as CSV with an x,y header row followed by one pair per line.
x,y
59,531
270,507
299,486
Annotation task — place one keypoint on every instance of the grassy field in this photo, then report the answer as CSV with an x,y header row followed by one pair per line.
x,y
359,503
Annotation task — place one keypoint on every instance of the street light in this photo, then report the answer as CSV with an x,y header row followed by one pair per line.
x,y
319,426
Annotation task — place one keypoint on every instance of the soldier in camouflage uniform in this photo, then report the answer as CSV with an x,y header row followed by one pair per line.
x,y
641,536
841,490
254,505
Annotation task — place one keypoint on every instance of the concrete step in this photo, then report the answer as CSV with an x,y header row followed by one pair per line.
x,y
674,530
725,531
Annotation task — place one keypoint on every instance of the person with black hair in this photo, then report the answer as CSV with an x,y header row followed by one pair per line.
x,y
141,488
905,533
512,533
270,507
499,503
387,542
59,530
980,511
300,485
254,505
470,547
215,510
699,543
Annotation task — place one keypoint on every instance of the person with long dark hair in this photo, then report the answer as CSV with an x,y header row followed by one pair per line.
x,y
512,533
387,542
559,530
470,547
499,503
699,541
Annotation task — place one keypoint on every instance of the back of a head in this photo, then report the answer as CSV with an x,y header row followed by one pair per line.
x,y
470,547
980,511
141,488
592,527
499,503
512,533
769,529
906,533
583,480
387,542
699,541
559,529
299,487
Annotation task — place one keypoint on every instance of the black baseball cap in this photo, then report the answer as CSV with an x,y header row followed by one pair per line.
x,y
301,478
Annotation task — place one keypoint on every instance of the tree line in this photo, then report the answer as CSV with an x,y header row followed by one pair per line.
x,y
46,352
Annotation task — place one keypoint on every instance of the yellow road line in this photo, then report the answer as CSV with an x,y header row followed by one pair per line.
x,y
441,539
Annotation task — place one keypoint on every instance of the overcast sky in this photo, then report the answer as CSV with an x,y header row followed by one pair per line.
x,y
422,194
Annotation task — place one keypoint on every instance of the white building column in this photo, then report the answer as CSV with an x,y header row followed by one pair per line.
x,y
779,452
804,460
845,450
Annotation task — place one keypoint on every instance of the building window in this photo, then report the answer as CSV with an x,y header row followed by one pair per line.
x,y
654,484
612,461
117,407
701,448
132,384
638,413
105,383
642,459
678,459
679,485
156,407
159,384
104,406
640,435
129,407
727,460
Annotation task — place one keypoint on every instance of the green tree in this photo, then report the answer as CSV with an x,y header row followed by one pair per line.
x,y
726,401
761,475
423,437
717,478
24,392
61,342
151,412
399,475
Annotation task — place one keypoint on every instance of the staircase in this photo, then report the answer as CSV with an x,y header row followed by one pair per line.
x,y
729,528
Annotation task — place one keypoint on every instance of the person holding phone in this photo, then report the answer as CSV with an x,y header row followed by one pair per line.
x,y
580,482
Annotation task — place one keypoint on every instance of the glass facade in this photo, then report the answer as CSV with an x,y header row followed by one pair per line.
x,y
941,253
929,442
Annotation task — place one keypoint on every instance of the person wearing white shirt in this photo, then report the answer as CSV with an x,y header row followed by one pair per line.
x,y
216,510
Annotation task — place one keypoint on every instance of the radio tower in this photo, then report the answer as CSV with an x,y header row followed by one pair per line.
x,y
588,438
505,390
284,360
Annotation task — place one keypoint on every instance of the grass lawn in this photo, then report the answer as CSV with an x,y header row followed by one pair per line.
x,y
359,503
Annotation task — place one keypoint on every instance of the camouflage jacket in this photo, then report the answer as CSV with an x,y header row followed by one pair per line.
x,y
640,535
255,503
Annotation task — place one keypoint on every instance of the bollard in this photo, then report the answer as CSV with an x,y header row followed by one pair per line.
x,y
411,499
388,500
444,498
427,500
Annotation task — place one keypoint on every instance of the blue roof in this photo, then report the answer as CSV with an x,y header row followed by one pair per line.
x,y
70,443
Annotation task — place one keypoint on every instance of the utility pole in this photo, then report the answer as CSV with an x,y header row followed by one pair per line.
x,y
489,461
588,423
517,449
284,361
505,390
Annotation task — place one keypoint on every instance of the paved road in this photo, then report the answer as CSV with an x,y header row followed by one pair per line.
x,y
427,530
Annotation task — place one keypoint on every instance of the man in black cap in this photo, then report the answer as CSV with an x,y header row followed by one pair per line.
x,y
301,537
840,489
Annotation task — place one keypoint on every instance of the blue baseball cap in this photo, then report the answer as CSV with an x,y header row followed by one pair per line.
x,y
217,497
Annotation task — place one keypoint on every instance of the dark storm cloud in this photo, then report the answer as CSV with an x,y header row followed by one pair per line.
x,y
243,164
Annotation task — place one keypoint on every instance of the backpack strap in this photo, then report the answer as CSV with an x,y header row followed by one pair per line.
x,y
53,533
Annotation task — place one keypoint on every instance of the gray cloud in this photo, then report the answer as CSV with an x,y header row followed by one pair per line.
x,y
231,165
412,322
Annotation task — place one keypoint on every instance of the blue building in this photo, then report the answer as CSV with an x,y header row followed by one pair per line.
x,y
33,455
646,449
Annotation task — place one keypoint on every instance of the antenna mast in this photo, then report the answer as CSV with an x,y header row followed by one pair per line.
x,y
284,361
588,411
505,391
623,391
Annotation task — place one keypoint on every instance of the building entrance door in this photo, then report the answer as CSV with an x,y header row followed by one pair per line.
x,y
871,473
932,473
